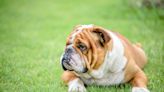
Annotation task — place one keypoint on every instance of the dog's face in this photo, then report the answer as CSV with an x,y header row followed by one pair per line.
x,y
85,48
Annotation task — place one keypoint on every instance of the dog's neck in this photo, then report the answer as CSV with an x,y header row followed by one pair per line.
x,y
114,61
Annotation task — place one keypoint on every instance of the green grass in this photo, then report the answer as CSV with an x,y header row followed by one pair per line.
x,y
33,35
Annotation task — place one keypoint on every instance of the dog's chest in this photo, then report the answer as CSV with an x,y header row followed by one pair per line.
x,y
108,79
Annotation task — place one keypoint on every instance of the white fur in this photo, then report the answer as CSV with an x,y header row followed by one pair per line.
x,y
116,57
111,71
139,89
76,85
85,26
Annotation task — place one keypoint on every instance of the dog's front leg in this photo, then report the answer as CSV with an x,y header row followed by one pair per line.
x,y
139,82
73,82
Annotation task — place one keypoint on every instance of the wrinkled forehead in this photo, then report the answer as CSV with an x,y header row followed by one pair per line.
x,y
79,29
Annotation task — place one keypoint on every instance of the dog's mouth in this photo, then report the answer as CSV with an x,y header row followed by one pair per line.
x,y
66,66
72,66
72,61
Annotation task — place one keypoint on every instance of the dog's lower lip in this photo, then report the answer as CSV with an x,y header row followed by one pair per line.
x,y
85,70
68,64
71,70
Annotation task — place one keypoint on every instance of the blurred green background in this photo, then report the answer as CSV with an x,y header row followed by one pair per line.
x,y
33,35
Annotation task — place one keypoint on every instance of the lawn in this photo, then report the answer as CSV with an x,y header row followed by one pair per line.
x,y
33,35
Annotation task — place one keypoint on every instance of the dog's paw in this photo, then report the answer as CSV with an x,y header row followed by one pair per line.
x,y
76,85
139,89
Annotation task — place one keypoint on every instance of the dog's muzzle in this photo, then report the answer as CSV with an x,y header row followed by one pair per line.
x,y
66,58
70,62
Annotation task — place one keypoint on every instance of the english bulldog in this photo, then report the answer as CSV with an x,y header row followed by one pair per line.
x,y
96,56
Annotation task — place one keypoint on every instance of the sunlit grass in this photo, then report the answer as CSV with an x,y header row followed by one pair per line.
x,y
33,34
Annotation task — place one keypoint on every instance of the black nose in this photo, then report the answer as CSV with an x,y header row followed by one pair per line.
x,y
67,56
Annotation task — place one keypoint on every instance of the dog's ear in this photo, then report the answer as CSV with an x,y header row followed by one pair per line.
x,y
102,34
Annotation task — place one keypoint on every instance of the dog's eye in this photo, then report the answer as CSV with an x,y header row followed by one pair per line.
x,y
82,47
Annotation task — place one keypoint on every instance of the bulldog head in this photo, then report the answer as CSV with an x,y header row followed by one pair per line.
x,y
85,48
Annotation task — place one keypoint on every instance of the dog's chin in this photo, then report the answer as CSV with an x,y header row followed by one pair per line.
x,y
77,70
83,70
